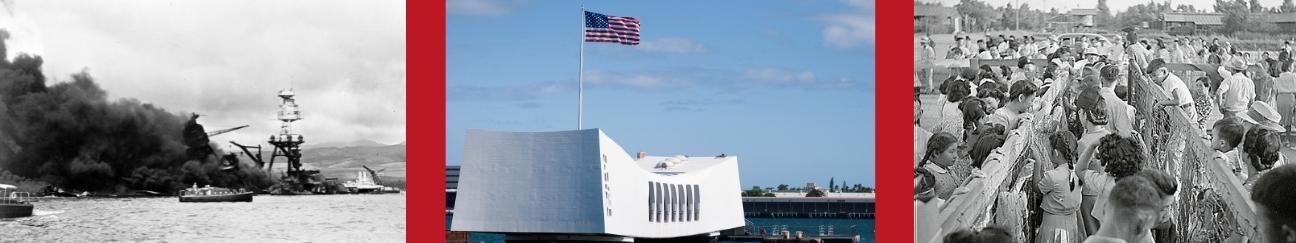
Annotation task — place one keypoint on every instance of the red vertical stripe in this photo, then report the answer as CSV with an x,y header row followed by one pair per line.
x,y
425,121
894,94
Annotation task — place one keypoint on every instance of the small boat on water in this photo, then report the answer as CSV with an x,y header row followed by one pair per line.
x,y
215,194
14,204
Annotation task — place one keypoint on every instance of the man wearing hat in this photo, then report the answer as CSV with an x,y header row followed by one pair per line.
x,y
1053,44
1091,56
1237,91
927,59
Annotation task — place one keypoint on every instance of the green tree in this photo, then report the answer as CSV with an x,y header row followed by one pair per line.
x,y
1236,15
756,191
978,15
782,187
1287,6
815,193
831,186
1104,18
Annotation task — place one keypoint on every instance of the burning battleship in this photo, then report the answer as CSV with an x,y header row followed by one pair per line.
x,y
287,144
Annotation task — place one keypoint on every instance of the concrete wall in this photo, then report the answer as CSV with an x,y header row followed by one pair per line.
x,y
582,182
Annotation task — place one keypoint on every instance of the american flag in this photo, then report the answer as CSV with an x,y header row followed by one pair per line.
x,y
613,29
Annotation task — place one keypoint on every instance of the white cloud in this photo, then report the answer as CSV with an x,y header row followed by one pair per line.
x,y
848,30
479,7
649,81
788,78
779,76
671,45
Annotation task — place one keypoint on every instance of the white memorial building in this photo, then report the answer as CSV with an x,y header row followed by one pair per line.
x,y
582,183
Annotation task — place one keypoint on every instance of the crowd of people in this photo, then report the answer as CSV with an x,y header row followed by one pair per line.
x,y
1097,184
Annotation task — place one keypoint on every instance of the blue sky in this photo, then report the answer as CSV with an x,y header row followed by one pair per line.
x,y
785,85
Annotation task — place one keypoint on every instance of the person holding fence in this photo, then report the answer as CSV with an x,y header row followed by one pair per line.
x,y
1021,97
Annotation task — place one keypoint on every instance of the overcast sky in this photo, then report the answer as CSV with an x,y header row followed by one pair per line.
x,y
787,86
1115,5
227,59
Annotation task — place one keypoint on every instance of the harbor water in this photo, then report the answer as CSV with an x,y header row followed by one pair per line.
x,y
306,218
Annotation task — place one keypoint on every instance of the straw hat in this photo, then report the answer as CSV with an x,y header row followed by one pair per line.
x,y
1236,64
1091,51
1268,117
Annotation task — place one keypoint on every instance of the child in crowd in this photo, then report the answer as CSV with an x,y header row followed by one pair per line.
x,y
951,117
974,118
1262,147
942,153
1021,97
1062,192
926,206
988,140
1226,135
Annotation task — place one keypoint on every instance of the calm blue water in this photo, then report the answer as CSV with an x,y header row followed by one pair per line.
x,y
840,227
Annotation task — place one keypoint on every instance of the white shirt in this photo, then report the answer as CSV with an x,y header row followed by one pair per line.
x,y
1236,93
1175,88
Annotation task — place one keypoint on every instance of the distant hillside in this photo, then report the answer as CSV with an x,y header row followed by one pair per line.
x,y
344,162
357,143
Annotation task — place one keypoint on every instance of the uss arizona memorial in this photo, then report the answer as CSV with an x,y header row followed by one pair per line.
x,y
582,183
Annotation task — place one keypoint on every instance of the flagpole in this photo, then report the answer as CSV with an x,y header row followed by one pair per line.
x,y
580,80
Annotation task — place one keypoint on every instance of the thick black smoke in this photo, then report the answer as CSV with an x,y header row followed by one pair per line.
x,y
70,135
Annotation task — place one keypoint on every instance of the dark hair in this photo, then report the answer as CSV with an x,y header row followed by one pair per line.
x,y
1154,65
1121,156
1204,79
928,183
1110,73
1160,180
1065,143
986,144
1007,71
939,142
1091,103
973,110
961,236
1049,70
1021,62
1122,92
991,91
1022,88
1273,190
1262,147
1230,130
957,90
986,75
985,68
990,234
968,73
1135,193
994,233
